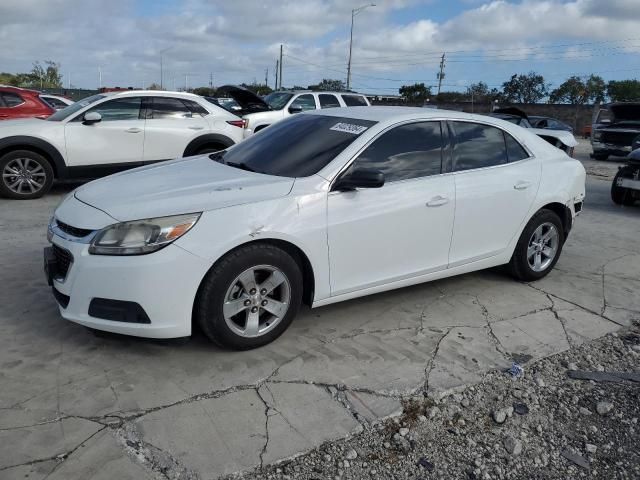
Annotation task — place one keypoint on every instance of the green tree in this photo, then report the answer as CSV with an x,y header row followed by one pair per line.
x,y
48,76
623,90
524,88
257,88
154,86
329,85
205,91
452,97
576,91
416,93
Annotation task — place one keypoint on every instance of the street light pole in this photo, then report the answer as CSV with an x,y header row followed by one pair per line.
x,y
354,12
161,69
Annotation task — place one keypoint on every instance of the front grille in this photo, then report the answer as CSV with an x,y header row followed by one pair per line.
x,y
64,259
73,231
618,138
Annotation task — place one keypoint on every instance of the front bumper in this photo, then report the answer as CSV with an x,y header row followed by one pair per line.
x,y
610,149
163,284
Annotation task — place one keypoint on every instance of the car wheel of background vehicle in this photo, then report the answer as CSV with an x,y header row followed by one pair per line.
x,y
622,195
250,297
210,148
600,156
25,175
538,248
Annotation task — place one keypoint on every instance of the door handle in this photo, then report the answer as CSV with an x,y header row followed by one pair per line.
x,y
133,130
522,185
437,201
195,127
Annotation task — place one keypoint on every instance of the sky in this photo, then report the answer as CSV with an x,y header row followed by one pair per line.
x,y
395,42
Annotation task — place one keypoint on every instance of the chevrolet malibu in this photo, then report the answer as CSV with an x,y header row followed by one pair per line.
x,y
322,207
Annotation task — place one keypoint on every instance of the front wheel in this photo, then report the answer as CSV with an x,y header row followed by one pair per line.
x,y
538,248
622,195
250,297
25,175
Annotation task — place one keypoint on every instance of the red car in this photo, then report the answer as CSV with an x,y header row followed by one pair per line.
x,y
22,103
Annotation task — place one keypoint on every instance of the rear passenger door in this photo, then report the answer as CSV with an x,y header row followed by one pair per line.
x,y
171,124
496,182
328,100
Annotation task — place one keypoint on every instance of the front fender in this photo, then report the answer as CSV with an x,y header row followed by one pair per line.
x,y
25,142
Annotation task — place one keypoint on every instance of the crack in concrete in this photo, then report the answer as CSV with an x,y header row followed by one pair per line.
x,y
495,340
557,315
266,429
432,362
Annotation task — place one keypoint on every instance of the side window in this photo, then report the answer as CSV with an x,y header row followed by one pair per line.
x,y
12,99
328,101
354,100
127,108
408,151
306,101
477,146
515,151
167,107
195,108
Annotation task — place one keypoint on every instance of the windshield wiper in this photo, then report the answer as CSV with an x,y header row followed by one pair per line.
x,y
242,166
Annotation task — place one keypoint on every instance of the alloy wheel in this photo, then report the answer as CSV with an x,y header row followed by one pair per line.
x,y
256,301
543,247
24,176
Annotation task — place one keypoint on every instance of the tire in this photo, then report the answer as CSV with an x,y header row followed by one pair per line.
x,y
33,175
210,148
222,285
601,156
621,195
520,265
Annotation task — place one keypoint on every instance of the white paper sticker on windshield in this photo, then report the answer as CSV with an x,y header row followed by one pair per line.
x,y
348,128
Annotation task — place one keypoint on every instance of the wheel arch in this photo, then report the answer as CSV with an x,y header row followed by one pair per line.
x,y
207,139
301,258
559,209
39,146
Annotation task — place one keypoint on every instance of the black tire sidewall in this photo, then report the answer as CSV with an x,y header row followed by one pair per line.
x,y
36,157
519,263
210,298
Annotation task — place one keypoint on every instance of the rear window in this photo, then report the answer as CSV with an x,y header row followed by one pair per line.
x,y
354,100
299,146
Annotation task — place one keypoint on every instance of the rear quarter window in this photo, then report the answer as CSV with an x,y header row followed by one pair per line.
x,y
354,100
12,99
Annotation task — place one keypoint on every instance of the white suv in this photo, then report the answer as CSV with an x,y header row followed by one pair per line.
x,y
107,133
259,113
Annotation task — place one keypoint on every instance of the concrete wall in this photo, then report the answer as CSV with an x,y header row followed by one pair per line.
x,y
578,116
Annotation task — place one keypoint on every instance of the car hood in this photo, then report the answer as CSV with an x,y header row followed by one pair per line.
x,y
248,101
625,111
24,125
564,136
180,186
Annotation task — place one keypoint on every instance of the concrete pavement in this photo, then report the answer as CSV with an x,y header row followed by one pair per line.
x,y
74,405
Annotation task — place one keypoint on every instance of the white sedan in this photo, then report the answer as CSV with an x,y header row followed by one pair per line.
x,y
322,207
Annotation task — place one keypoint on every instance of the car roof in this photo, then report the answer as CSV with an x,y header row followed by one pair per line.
x,y
393,114
19,89
151,93
321,91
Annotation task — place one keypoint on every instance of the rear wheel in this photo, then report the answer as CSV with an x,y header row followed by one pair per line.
x,y
250,297
538,248
25,175
622,195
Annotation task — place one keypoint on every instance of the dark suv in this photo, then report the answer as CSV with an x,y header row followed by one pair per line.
x,y
614,129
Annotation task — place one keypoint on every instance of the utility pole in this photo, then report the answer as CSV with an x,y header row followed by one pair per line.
x,y
99,78
210,79
280,72
354,12
161,67
266,77
275,87
441,74
186,82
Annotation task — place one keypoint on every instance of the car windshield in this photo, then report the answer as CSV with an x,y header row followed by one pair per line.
x,y
277,100
297,147
73,108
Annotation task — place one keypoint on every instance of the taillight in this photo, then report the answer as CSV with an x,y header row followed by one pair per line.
x,y
242,123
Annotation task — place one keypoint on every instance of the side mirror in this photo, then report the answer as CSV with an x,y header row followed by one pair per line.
x,y
360,178
295,109
91,117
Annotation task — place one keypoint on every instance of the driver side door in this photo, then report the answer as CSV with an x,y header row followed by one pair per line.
x,y
403,229
118,139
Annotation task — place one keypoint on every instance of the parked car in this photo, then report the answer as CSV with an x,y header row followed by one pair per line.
x,y
548,123
259,113
625,189
22,103
55,101
323,207
107,133
561,139
614,129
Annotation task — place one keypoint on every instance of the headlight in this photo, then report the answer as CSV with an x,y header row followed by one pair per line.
x,y
141,236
